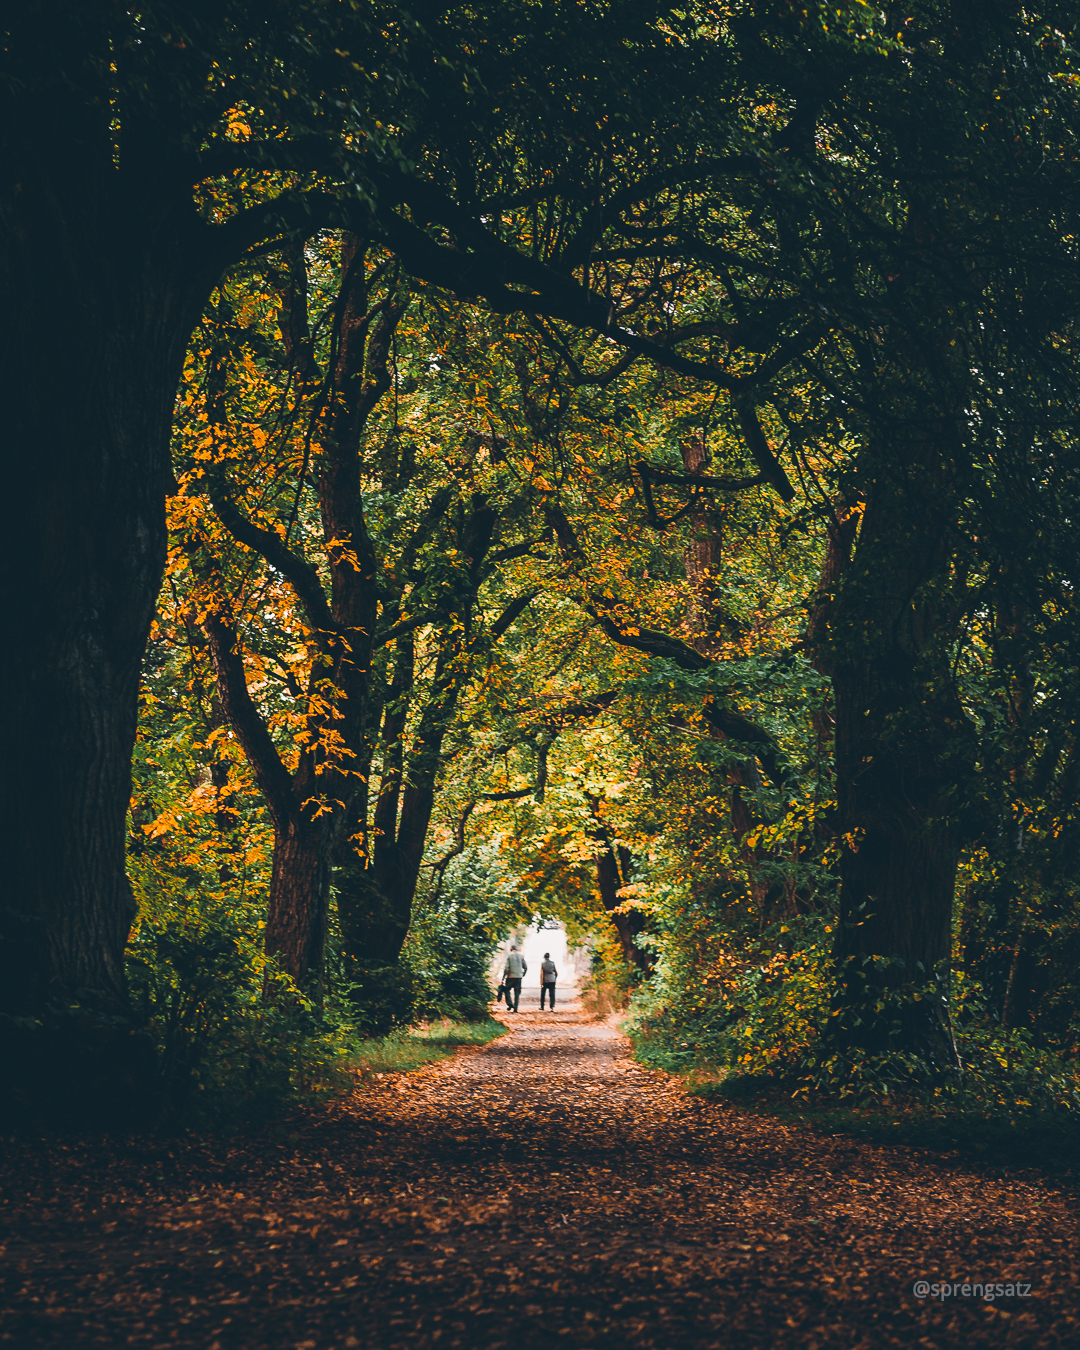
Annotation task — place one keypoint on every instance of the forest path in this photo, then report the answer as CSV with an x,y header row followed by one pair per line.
x,y
544,1190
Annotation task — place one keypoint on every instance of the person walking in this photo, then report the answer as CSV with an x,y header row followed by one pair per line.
x,y
512,972
548,976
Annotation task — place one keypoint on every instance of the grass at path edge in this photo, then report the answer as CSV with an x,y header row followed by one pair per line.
x,y
412,1048
1045,1142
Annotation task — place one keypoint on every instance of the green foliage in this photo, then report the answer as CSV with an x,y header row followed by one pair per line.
x,y
1006,1071
455,930
758,1008
227,1057
766,1022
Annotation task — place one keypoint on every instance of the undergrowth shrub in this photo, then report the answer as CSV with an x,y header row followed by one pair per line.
x,y
764,1014
455,931
752,1011
226,1056
450,968
610,982
1005,1070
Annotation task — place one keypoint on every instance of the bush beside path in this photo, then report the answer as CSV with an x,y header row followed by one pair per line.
x,y
542,1189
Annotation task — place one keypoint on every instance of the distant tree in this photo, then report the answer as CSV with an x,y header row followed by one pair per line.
x,y
342,530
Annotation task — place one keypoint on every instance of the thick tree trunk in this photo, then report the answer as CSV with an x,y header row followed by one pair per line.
x,y
375,910
92,343
898,866
900,738
299,907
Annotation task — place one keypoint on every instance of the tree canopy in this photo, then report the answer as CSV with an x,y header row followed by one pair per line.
x,y
622,449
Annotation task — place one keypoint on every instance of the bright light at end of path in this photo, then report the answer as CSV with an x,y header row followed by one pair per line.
x,y
551,940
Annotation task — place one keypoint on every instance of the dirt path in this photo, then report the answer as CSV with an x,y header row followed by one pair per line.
x,y
543,1191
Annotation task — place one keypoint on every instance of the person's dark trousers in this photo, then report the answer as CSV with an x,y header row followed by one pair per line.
x,y
513,991
548,989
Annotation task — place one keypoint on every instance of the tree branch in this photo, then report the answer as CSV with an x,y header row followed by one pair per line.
x,y
458,848
404,627
655,475
649,640
731,724
301,575
771,469
272,776
493,270
511,612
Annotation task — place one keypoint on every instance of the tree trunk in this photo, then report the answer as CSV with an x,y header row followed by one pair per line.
x,y
900,734
87,418
375,902
710,620
609,881
312,805
299,907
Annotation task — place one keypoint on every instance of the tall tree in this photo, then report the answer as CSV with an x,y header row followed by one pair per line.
x,y
144,152
342,531
529,156
896,238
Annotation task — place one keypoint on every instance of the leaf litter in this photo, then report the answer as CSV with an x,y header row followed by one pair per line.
x,y
542,1189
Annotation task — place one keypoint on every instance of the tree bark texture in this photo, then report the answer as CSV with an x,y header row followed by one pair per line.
x,y
99,290
900,734
297,917
710,618
298,908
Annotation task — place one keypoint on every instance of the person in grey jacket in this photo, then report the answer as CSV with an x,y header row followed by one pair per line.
x,y
512,972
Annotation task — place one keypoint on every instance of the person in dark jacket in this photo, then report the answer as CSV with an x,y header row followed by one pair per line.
x,y
548,976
